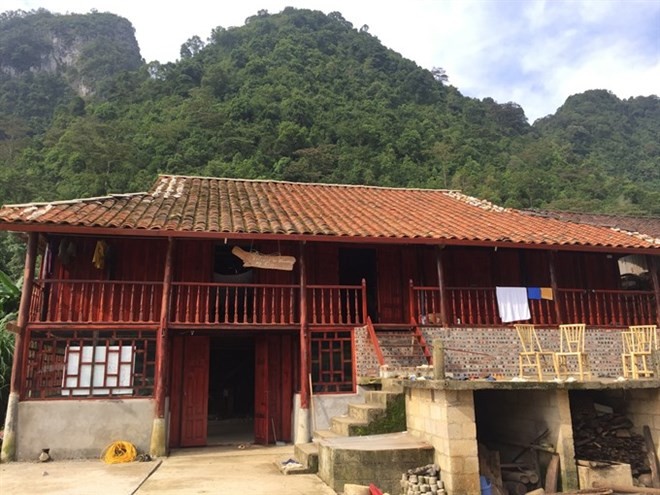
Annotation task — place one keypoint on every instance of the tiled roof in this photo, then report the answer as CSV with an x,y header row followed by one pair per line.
x,y
211,206
643,225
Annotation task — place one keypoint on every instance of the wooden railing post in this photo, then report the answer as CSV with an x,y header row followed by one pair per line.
x,y
444,320
654,266
552,262
411,301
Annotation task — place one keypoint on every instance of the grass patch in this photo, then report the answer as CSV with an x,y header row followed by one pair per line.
x,y
393,421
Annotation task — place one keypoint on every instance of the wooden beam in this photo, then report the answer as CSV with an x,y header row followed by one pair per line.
x,y
439,258
304,341
654,267
23,313
162,337
552,264
321,238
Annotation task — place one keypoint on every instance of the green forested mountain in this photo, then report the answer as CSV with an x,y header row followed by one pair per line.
x,y
298,96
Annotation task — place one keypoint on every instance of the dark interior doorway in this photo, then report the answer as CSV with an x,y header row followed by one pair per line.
x,y
358,264
231,390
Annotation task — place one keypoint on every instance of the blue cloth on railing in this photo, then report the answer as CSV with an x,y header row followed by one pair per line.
x,y
533,293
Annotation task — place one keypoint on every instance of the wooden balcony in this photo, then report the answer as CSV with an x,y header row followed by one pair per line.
x,y
61,303
477,306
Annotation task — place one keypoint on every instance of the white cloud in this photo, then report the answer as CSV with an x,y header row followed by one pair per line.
x,y
533,52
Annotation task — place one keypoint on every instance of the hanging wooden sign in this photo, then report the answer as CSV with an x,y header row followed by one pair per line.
x,y
266,261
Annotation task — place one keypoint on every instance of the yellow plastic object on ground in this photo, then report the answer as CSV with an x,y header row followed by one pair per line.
x,y
118,452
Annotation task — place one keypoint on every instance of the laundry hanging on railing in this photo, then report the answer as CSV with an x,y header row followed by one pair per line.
x,y
536,293
267,261
512,304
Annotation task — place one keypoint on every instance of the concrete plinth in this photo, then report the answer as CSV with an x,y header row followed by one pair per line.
x,y
378,459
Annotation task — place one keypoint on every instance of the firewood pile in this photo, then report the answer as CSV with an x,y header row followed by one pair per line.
x,y
608,437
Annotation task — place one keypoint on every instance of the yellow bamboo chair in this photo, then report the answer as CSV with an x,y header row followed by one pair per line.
x,y
644,342
532,354
571,345
626,354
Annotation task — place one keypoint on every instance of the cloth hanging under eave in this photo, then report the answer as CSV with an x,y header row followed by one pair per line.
x,y
512,304
98,260
546,293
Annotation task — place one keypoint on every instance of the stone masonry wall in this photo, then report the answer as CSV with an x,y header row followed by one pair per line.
x,y
446,419
483,351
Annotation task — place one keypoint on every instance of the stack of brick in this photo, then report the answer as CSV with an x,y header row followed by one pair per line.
x,y
425,479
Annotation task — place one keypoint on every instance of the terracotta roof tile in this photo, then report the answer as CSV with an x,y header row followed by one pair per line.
x,y
232,206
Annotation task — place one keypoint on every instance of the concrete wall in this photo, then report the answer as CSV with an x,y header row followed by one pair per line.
x,y
446,420
328,405
74,429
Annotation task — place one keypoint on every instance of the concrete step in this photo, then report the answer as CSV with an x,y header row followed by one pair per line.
x,y
379,397
366,412
305,460
392,385
323,434
346,426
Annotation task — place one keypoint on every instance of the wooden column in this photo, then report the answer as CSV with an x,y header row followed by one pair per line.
x,y
654,266
161,338
552,264
441,285
304,341
9,443
158,447
23,313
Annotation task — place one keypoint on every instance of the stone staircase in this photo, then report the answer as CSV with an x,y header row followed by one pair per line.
x,y
339,455
359,416
401,348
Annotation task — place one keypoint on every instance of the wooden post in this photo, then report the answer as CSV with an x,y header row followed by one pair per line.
x,y
23,312
653,265
158,446
365,306
552,264
304,344
438,359
441,285
15,385
161,338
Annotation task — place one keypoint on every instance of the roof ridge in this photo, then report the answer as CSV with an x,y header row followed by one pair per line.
x,y
72,200
357,186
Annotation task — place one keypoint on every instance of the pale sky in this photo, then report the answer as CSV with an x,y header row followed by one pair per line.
x,y
532,52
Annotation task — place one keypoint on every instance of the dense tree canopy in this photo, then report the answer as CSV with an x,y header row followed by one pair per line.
x,y
299,96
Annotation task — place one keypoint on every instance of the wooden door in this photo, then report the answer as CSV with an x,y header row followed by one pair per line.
x,y
261,403
390,286
194,407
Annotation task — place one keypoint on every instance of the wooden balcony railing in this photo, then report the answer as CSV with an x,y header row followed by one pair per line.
x,y
195,303
477,306
612,308
234,304
337,304
93,301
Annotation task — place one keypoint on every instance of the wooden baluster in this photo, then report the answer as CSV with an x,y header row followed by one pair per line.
x,y
291,305
356,303
623,318
90,314
266,311
332,304
322,293
188,303
143,287
226,305
478,304
235,303
461,306
340,314
199,317
131,311
494,313
216,305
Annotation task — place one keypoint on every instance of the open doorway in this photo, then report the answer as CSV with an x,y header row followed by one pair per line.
x,y
231,390
358,264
